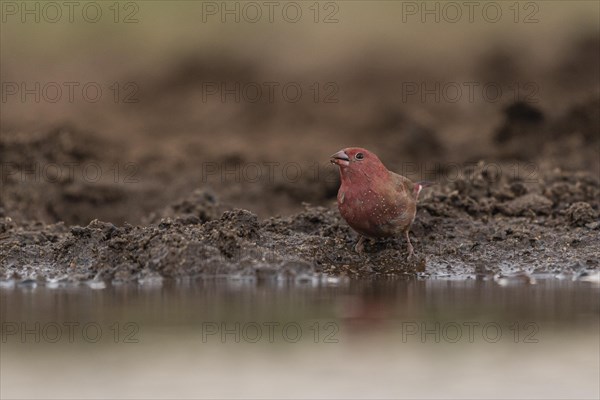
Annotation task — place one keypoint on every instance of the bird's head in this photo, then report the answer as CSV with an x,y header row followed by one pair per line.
x,y
356,161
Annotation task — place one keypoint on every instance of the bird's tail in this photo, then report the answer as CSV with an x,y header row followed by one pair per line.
x,y
425,184
422,184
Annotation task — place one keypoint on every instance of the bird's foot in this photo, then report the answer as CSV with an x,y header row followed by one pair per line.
x,y
360,245
411,250
411,253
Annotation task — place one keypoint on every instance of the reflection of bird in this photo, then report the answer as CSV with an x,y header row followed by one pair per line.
x,y
374,201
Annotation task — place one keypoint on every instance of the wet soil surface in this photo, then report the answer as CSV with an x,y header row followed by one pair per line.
x,y
524,201
480,225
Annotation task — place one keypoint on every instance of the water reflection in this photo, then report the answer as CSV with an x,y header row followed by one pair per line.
x,y
331,338
358,303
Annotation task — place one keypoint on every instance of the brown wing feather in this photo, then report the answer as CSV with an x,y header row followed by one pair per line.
x,y
405,184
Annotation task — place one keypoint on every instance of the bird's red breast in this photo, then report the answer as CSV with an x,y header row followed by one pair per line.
x,y
374,201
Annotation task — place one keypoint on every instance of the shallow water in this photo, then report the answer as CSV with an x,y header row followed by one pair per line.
x,y
322,338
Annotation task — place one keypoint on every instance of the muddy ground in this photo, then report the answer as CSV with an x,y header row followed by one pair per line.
x,y
175,186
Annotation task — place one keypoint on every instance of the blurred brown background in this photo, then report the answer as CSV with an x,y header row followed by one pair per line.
x,y
185,99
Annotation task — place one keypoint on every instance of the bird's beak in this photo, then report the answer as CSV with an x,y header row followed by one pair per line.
x,y
340,158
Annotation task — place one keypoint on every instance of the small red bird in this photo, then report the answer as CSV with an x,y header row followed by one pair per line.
x,y
374,201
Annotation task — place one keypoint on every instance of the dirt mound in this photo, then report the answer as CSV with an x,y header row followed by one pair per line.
x,y
458,229
570,140
72,176
194,181
581,119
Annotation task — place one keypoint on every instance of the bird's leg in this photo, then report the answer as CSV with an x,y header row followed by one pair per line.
x,y
360,245
411,251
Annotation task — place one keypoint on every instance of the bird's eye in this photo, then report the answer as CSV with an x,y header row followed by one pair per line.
x,y
359,156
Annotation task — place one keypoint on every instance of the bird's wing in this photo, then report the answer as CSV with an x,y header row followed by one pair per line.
x,y
404,184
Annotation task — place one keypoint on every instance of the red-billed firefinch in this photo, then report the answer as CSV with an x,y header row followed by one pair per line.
x,y
374,201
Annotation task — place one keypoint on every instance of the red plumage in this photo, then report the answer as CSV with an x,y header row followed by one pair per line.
x,y
374,201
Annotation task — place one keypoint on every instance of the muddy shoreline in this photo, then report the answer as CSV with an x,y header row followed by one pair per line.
x,y
149,193
484,227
